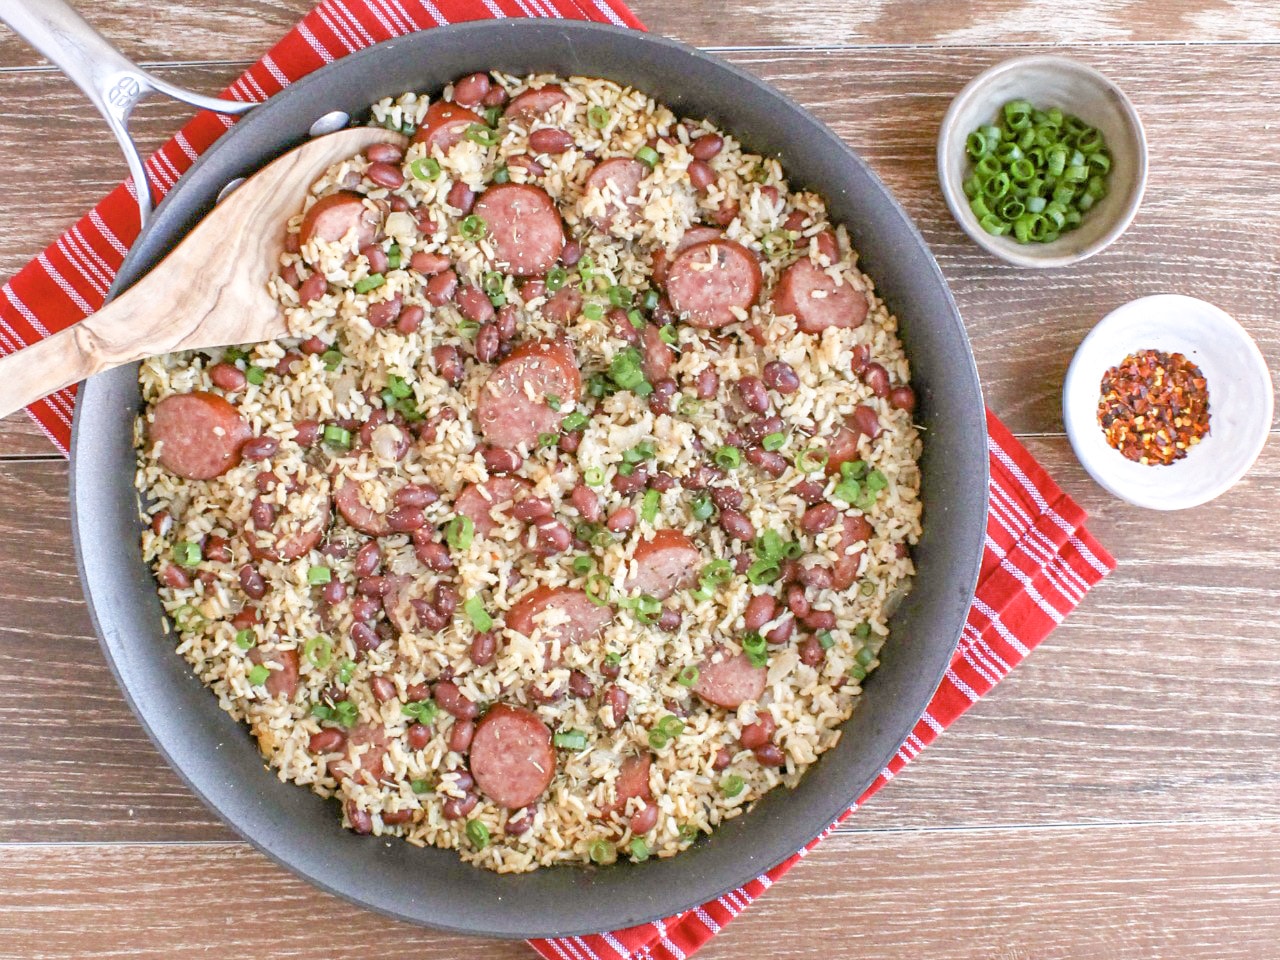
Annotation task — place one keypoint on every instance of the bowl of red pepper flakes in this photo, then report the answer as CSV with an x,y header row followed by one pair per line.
x,y
1168,402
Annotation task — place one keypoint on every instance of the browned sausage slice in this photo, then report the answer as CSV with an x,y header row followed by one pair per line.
x,y
617,179
369,769
290,536
708,279
444,125
513,409
697,234
633,779
197,435
346,495
731,682
809,294
512,759
664,564
585,619
282,682
480,501
331,218
525,226
533,104
656,356
855,530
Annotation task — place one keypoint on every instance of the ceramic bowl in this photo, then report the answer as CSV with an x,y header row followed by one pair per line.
x,y
1048,81
1240,400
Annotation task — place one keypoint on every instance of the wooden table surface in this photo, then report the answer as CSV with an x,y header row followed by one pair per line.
x,y
1117,796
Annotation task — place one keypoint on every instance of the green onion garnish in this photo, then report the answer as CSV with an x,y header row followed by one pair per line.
x,y
556,278
552,401
598,117
422,711
689,406
639,850
649,509
867,589
599,589
671,725
570,739
657,739
649,302
548,440
811,459
258,675
186,553
472,227
602,851
186,617
728,458
574,421
717,571
862,631
702,507
857,672
336,436
688,833
256,375
245,639
485,136
826,640
593,311
346,670
318,575
459,531
593,477
627,372
399,387
865,656
582,564
732,785
331,359
636,319
774,441
777,244
667,334
372,282
425,168
763,571
234,355
477,833
688,676
493,282
647,155
613,659
319,651
646,608
420,786
477,614
619,296
501,175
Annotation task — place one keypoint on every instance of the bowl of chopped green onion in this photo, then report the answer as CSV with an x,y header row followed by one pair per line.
x,y
1042,160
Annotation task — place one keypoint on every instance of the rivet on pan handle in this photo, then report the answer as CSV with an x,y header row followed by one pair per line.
x,y
106,76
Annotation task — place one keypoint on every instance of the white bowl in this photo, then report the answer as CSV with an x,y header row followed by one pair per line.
x,y
1240,400
1048,81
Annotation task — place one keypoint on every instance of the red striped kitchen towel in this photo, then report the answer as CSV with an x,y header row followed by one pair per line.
x,y
1039,559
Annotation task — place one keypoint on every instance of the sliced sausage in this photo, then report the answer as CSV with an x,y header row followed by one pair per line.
x,y
563,306
696,234
282,682
617,180
331,218
479,501
708,279
731,682
346,495
525,226
512,408
304,533
854,529
533,104
667,562
633,780
655,355
808,293
197,435
369,769
512,759
444,125
584,618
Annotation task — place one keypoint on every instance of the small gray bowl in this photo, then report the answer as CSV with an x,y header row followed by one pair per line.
x,y
1048,81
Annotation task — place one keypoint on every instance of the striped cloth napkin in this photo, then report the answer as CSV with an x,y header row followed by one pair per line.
x,y
1039,559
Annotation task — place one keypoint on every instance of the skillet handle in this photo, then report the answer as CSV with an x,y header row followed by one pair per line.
x,y
109,79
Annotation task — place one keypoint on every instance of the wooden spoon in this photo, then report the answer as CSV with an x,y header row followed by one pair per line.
x,y
211,291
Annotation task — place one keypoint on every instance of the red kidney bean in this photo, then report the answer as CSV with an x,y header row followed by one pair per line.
x,y
416,495
741,563
621,520
431,554
780,376
425,223
306,432
161,523
448,364
858,358
708,383
227,376
364,609
644,819
569,442
259,448
726,498
292,243
385,175
384,153
818,517
627,485
877,378
771,463
410,319
484,647
550,140
701,175
358,818
531,290
737,525
441,288
471,89
727,213
429,618
262,514
553,536
662,481
418,691
251,583
817,577
383,689
364,636
586,502
531,166
811,652
475,305
782,632
463,779
217,549
540,695
418,735
376,256
706,146
531,508
451,700
405,519
580,685
618,701
313,288
770,755
702,476
495,97
810,491
384,313
313,346
178,578
663,393
371,586
394,818
501,460
334,592
399,204
757,734
456,809
752,393
760,610
326,741
867,420
670,620
610,670
429,264
757,428
461,197
518,823
486,346
507,317
820,620
367,559
445,598
460,735
903,398
797,602
571,253
723,757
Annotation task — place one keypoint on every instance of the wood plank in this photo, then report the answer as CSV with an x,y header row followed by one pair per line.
x,y
887,103
1159,699
20,437
1153,892
236,30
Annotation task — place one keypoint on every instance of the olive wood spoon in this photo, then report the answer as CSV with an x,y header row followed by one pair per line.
x,y
210,291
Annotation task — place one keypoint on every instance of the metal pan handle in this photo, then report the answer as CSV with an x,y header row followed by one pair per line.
x,y
106,76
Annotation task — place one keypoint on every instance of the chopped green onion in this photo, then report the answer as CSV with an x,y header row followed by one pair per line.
x,y
689,406
688,833
647,155
477,614
593,477
862,630
556,278
671,725
472,227
234,355
372,282
593,311
777,244
598,117
583,564
318,651
425,168
459,531
318,575
619,296
717,571
420,785
636,318
811,459
825,640
346,713
570,739
639,850
763,571
599,589
552,401
688,676
492,115
574,421
613,659
336,436
346,670
627,371
728,458
667,334
649,509
865,656
399,387
331,359
857,672
602,851
658,740
770,545
647,608
492,283
186,617
393,257
478,834
256,375
485,136
649,302
501,175
186,553
245,639
547,440
702,507
774,441
732,785
258,675
421,711
867,589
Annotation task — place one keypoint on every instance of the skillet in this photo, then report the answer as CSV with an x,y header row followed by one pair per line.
x,y
216,757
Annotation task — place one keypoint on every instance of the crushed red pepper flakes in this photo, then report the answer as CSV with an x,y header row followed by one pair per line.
x,y
1154,407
